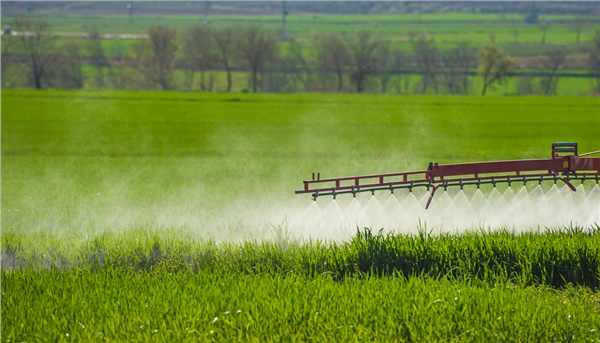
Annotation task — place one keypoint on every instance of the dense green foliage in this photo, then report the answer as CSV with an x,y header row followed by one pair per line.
x,y
85,306
148,286
132,216
554,259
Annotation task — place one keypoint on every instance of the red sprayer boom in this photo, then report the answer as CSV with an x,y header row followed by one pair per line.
x,y
564,164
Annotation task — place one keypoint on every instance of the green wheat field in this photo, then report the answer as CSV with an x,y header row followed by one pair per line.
x,y
146,216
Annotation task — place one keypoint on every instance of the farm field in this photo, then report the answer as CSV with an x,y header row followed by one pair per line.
x,y
114,158
159,215
474,28
162,304
508,31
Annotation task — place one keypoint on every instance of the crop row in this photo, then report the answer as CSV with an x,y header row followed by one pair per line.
x,y
129,306
63,306
553,258
149,286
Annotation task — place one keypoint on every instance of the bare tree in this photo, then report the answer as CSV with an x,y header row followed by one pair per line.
x,y
456,63
142,62
426,58
364,62
494,66
385,62
276,76
97,56
255,49
333,55
544,27
163,48
64,67
298,65
553,61
225,44
68,65
577,27
524,85
38,45
594,54
199,53
400,82
6,56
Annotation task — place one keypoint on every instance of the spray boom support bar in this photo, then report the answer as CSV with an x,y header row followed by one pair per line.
x,y
564,165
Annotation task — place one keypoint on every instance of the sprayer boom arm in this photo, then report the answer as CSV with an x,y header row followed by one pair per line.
x,y
564,164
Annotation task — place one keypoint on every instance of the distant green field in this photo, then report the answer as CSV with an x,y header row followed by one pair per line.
x,y
197,153
141,22
148,216
448,27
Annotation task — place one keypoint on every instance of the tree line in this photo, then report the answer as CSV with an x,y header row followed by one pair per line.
x,y
363,63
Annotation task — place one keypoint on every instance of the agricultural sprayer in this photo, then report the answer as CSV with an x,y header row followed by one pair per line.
x,y
564,165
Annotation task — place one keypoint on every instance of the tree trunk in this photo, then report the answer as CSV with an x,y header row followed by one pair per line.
x,y
37,78
191,75
384,82
254,79
228,78
425,80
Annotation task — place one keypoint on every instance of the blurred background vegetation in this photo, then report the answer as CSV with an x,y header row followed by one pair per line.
x,y
516,48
